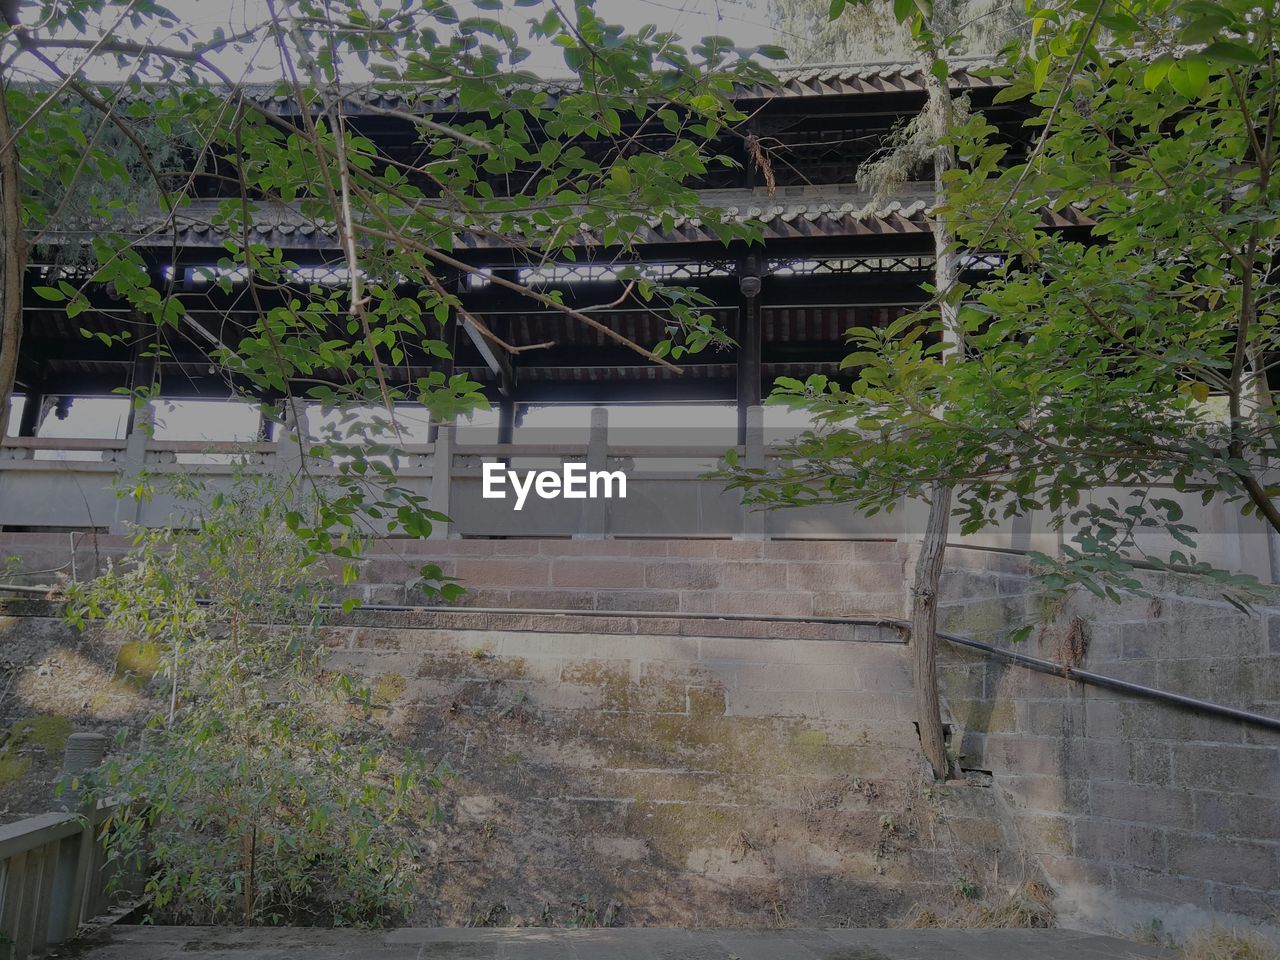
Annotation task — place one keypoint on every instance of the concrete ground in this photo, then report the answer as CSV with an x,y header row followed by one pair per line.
x,y
630,943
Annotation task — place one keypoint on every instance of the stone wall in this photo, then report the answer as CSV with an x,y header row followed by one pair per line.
x,y
796,577
604,774
1140,813
769,772
675,780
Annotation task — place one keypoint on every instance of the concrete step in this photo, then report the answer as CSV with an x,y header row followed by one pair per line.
x,y
192,943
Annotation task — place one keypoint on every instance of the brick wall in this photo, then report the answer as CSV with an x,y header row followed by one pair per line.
x,y
1138,811
1135,811
794,578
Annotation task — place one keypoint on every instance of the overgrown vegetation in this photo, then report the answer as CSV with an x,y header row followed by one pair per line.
x,y
1142,364
261,792
1026,907
1220,944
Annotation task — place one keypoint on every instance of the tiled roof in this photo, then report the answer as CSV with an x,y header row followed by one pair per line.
x,y
843,79
789,212
799,81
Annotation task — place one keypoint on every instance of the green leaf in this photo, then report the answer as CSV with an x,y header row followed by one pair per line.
x,y
1190,77
836,8
1157,71
1203,28
1041,72
1228,51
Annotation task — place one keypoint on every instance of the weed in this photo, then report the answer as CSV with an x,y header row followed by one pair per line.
x,y
1220,944
1025,908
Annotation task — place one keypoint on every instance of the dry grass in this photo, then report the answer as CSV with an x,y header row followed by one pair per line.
x,y
1219,944
1026,908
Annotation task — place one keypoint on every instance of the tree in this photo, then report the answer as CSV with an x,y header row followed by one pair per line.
x,y
261,793
879,30
597,163
931,33
1136,357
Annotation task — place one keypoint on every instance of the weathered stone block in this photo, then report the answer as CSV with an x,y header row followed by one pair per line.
x,y
1047,834
744,650
1224,861
985,716
825,551
1050,718
1102,841
1235,769
693,548
771,703
1025,756
647,600
681,575
1184,638
858,604
1146,847
841,705
1102,718
843,578
1150,762
505,572
1093,759
705,701
1044,794
1237,815
545,599
962,681
1159,886
681,652
747,575
1074,872
597,572
1141,803
1259,905
988,620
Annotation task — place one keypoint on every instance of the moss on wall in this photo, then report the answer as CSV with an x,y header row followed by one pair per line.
x,y
138,661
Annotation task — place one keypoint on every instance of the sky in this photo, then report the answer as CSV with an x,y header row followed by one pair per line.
x,y
745,21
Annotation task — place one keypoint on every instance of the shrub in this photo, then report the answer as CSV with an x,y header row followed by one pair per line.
x,y
261,792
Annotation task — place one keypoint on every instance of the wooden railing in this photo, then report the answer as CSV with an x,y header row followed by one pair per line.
x,y
55,878
51,484
54,871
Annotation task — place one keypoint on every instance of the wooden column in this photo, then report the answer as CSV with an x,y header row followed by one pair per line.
x,y
271,412
506,418
32,409
750,279
453,282
142,376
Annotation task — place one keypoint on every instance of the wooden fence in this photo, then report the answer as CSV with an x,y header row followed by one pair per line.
x,y
53,877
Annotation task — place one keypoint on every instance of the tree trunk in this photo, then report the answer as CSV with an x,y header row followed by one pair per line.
x,y
13,261
928,574
924,625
